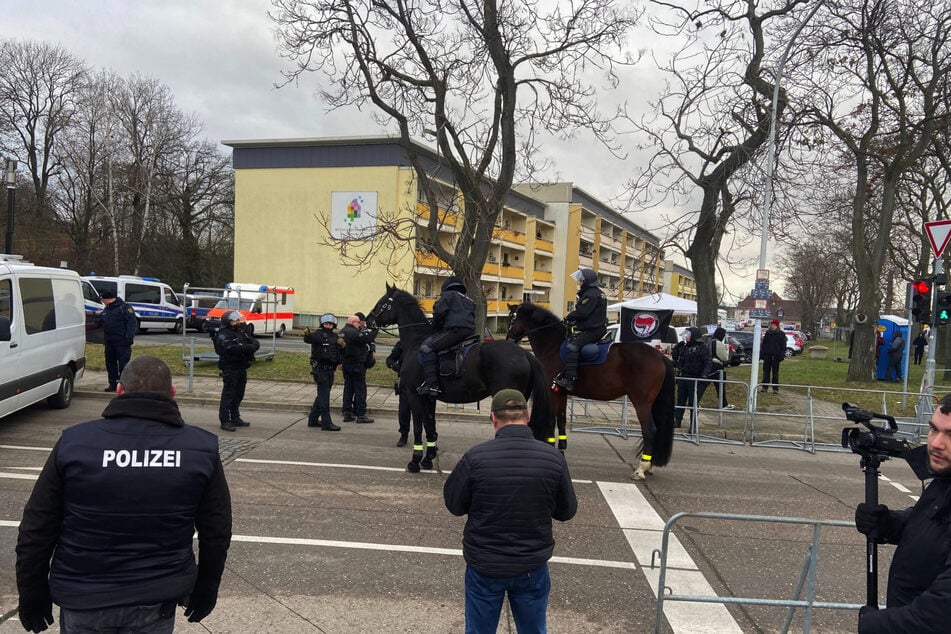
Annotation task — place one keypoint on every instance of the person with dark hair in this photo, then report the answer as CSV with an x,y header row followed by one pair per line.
x,y
919,343
720,359
453,321
919,579
325,347
896,354
358,346
511,487
589,320
235,348
692,360
119,324
107,532
773,351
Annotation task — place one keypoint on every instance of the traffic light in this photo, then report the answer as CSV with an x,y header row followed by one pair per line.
x,y
921,300
943,315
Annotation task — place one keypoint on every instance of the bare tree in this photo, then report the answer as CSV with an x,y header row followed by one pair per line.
x,y
39,83
878,82
486,77
707,126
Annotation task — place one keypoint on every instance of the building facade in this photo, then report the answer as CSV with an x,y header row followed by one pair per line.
x,y
301,205
679,281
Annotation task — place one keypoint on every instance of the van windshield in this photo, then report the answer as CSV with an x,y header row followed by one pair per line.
x,y
235,304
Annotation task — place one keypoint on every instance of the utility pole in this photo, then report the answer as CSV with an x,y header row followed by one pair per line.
x,y
11,179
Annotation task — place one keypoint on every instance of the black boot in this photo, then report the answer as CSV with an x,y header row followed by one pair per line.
x,y
228,426
330,427
430,386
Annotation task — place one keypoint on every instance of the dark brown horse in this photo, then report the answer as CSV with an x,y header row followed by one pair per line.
x,y
637,370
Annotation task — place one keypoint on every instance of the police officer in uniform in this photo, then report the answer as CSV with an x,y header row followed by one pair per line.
x,y
358,345
235,348
115,507
590,320
118,331
325,346
453,321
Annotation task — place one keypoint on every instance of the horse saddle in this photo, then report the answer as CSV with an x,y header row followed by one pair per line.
x,y
590,354
452,358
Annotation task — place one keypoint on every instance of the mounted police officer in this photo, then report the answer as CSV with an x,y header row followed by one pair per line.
x,y
590,320
325,347
453,321
235,348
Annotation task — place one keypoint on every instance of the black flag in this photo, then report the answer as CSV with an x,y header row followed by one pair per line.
x,y
644,325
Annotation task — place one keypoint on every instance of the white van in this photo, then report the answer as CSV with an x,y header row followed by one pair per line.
x,y
264,309
155,303
42,334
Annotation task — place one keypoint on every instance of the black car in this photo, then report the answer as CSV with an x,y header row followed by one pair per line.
x,y
745,342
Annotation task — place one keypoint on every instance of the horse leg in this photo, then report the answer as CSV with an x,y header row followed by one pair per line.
x,y
420,413
561,420
645,466
431,435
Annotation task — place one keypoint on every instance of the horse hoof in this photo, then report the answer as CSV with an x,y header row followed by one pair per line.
x,y
638,476
562,445
426,463
412,467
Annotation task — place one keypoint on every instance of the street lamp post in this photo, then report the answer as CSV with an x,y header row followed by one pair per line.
x,y
768,196
11,179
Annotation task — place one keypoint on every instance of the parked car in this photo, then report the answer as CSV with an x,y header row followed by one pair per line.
x,y
745,339
196,310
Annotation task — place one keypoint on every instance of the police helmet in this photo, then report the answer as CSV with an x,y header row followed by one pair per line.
x,y
453,283
230,316
587,277
328,318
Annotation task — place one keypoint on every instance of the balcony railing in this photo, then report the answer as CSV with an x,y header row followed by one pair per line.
x,y
508,235
445,217
544,245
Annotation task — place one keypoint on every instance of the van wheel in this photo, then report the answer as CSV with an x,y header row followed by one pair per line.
x,y
280,331
139,329
250,329
64,397
176,329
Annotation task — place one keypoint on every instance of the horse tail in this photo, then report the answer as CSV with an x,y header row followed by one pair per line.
x,y
541,421
662,412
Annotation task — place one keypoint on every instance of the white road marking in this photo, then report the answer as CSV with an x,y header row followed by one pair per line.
x,y
19,476
643,528
26,448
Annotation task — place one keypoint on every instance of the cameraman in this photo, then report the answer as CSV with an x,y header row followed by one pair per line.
x,y
919,580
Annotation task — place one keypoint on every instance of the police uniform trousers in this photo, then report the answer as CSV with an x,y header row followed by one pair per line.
x,y
232,393
320,410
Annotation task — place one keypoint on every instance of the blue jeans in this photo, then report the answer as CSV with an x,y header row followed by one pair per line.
x,y
528,597
158,618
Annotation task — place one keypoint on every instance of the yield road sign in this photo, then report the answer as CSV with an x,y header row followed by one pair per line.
x,y
939,232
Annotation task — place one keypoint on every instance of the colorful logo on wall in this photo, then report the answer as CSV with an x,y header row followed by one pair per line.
x,y
354,208
353,215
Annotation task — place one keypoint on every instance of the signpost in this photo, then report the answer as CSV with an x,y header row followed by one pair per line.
x,y
939,233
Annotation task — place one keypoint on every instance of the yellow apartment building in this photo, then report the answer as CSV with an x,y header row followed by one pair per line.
x,y
299,202
679,281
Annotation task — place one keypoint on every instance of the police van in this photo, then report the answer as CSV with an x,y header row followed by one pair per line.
x,y
42,334
154,302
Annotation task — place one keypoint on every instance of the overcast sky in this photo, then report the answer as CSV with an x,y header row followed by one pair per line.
x,y
220,59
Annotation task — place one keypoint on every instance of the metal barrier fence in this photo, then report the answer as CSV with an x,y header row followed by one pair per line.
x,y
804,423
807,578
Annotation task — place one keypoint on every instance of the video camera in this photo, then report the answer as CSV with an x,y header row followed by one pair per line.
x,y
877,441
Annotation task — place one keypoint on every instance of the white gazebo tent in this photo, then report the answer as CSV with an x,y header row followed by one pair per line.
x,y
658,301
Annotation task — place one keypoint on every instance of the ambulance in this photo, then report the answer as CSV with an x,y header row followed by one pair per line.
x,y
265,309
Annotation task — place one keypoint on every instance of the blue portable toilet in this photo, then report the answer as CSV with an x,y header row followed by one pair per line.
x,y
892,325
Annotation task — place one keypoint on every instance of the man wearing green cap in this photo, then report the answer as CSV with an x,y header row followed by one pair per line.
x,y
511,487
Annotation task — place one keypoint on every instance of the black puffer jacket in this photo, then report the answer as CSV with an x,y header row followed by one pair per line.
x,y
774,343
119,500
357,345
511,487
919,580
118,323
235,348
591,309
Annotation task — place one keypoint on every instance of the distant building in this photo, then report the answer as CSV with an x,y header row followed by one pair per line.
x,y
679,281
785,310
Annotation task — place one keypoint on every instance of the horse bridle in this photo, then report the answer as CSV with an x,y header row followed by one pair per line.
x,y
527,332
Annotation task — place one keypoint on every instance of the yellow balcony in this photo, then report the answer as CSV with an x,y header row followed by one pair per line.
x,y
428,259
426,303
447,218
544,245
517,272
508,235
490,269
542,276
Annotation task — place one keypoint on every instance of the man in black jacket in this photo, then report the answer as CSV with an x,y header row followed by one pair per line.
x,y
511,487
773,351
590,321
116,506
919,580
358,345
118,333
692,360
325,347
235,348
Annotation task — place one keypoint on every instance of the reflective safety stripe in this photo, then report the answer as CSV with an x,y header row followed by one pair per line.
x,y
645,457
551,440
562,436
417,447
430,444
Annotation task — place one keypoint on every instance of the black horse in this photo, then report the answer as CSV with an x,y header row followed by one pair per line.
x,y
635,370
487,368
